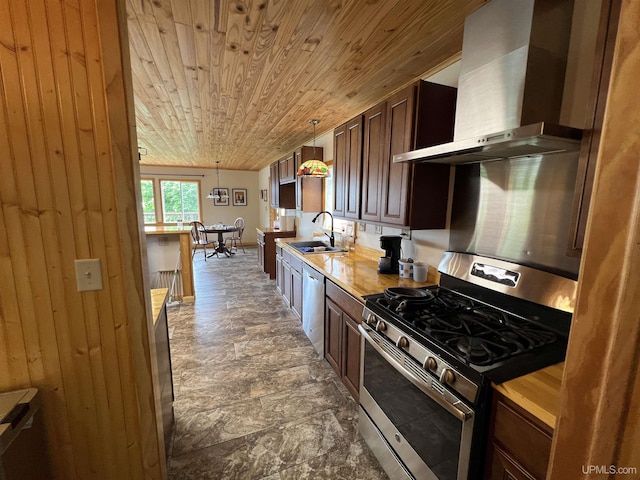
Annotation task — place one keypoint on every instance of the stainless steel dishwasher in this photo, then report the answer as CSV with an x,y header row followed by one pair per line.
x,y
313,306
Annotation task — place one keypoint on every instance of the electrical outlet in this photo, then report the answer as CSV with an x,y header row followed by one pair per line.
x,y
88,274
406,233
378,229
362,227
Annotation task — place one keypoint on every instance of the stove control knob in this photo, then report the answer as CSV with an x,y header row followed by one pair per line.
x,y
371,319
431,364
381,326
447,376
402,342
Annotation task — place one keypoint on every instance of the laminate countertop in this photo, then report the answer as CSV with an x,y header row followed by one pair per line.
x,y
356,272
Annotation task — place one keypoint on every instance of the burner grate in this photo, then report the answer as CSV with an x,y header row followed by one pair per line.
x,y
475,332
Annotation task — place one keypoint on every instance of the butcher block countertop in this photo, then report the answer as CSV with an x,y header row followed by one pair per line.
x,y
167,230
158,299
356,272
538,393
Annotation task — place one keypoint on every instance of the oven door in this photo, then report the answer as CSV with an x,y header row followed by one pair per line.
x,y
416,419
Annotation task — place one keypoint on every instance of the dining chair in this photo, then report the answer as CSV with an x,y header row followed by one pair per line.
x,y
199,237
237,235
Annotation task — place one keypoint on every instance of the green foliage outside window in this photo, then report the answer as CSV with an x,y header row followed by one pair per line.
x,y
148,201
180,201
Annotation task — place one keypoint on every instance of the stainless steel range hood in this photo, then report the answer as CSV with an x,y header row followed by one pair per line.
x,y
537,139
511,83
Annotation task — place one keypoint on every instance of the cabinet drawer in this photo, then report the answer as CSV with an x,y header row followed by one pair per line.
x,y
347,303
286,255
295,262
522,437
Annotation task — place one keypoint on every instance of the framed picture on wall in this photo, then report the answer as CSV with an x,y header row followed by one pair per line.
x,y
239,196
223,194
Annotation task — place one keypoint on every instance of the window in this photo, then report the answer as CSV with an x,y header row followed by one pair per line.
x,y
180,200
148,201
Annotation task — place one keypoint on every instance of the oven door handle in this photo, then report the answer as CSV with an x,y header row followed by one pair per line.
x,y
451,407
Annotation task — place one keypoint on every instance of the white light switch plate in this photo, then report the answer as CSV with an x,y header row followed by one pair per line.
x,y
88,274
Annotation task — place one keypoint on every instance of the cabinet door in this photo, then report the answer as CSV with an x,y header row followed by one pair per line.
x,y
503,467
373,157
297,161
261,251
286,167
296,292
351,356
605,43
395,176
274,182
333,335
286,281
339,165
353,168
519,445
279,275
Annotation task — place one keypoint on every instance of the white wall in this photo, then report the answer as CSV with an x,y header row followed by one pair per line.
x,y
228,179
264,206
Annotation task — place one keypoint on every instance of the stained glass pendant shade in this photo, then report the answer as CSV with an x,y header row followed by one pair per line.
x,y
313,167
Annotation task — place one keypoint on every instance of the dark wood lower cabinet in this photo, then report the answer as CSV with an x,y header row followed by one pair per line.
x,y
519,444
267,248
342,337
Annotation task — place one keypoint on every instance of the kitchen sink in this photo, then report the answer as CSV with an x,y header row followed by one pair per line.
x,y
313,246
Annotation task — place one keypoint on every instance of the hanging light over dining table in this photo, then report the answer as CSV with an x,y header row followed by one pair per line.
x,y
313,167
214,194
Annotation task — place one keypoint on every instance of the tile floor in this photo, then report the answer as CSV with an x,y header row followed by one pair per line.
x,y
252,398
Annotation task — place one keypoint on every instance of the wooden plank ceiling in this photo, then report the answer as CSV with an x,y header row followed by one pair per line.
x,y
239,80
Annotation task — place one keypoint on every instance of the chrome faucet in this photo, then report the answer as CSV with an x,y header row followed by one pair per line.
x,y
332,240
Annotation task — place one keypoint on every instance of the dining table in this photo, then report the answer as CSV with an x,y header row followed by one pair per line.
x,y
221,230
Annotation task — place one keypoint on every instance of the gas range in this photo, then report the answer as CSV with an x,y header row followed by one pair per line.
x,y
488,321
430,355
465,343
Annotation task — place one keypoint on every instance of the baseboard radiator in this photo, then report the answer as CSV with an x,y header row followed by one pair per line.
x,y
164,279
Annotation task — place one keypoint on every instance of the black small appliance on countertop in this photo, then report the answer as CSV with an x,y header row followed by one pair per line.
x,y
391,245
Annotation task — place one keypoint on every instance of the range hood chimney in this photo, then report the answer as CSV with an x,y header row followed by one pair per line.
x,y
514,57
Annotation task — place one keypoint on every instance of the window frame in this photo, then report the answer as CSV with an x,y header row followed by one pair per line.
x,y
154,186
181,180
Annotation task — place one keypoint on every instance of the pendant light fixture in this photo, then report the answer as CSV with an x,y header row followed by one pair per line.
x,y
313,167
214,194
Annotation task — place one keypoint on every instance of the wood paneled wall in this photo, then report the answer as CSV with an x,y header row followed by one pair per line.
x,y
598,424
67,191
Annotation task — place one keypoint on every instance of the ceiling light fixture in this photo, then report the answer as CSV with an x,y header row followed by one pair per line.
x,y
215,194
314,167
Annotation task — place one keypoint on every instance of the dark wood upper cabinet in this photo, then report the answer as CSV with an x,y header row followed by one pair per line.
x,y
339,163
605,43
373,156
274,183
287,169
353,169
399,194
347,168
415,195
